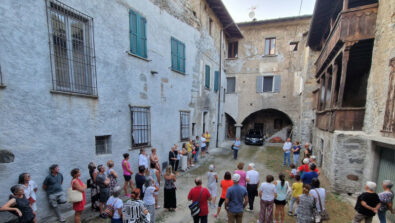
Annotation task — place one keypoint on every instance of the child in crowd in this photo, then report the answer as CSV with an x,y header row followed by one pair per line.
x,y
297,190
292,173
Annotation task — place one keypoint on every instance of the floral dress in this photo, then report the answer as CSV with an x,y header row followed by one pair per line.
x,y
305,209
113,180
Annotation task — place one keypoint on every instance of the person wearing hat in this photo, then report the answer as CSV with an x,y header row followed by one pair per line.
x,y
236,200
252,179
303,168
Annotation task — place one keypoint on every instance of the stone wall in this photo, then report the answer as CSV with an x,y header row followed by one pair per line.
x,y
42,128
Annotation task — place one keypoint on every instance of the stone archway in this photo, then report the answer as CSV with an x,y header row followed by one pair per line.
x,y
230,127
270,121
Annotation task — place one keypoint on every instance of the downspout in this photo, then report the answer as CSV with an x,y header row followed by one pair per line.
x,y
219,85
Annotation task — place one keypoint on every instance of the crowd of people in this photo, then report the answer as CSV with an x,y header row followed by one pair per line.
x,y
237,192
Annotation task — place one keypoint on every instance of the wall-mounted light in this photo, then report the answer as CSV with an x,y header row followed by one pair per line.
x,y
154,72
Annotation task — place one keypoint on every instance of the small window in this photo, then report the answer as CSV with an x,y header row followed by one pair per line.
x,y
293,46
103,144
184,125
177,55
72,51
270,46
141,127
210,26
138,36
268,84
232,49
207,77
231,84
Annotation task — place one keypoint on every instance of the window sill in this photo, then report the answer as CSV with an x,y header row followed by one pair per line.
x,y
177,71
74,94
274,55
231,93
232,58
2,86
140,147
137,56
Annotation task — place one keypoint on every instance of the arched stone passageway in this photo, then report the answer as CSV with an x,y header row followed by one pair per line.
x,y
230,127
269,122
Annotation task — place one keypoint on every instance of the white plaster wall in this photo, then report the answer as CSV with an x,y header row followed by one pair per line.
x,y
42,128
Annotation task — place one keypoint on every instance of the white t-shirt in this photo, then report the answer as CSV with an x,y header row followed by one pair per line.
x,y
294,172
253,176
29,192
321,192
287,147
143,161
149,195
202,142
268,190
117,203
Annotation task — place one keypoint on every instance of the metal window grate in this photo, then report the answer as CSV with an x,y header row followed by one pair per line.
x,y
184,125
71,47
103,144
141,127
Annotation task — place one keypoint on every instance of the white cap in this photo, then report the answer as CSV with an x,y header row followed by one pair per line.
x,y
306,160
236,177
313,157
211,167
252,165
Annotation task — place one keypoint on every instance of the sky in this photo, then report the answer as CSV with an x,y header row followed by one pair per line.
x,y
267,9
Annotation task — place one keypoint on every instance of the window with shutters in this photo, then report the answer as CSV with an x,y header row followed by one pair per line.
x,y
103,144
232,49
270,46
138,35
177,55
207,77
216,81
230,85
141,126
270,84
71,49
184,125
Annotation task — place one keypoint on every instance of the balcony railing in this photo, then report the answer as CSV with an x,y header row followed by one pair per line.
x,y
351,25
347,119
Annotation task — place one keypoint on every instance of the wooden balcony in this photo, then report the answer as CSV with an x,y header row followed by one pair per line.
x,y
351,25
347,119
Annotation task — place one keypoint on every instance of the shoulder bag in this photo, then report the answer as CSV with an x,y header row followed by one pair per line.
x,y
195,206
73,196
323,215
110,209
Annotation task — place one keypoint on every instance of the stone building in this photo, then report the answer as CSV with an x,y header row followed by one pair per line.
x,y
265,78
354,126
84,81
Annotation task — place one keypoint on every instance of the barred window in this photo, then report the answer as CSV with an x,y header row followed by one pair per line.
x,y
103,144
141,127
184,125
72,51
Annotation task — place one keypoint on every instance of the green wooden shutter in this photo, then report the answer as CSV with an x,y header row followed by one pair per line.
x,y
216,81
181,56
207,77
173,54
143,37
133,31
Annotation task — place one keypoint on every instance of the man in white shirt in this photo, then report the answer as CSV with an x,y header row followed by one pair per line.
x,y
202,145
287,151
143,159
252,179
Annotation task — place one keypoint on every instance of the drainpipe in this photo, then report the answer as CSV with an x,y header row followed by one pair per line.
x,y
219,86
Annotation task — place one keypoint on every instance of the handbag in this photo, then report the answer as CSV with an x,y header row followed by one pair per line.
x,y
73,196
195,206
232,146
323,215
109,211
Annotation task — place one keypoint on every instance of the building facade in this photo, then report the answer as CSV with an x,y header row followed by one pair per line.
x,y
265,79
354,134
86,81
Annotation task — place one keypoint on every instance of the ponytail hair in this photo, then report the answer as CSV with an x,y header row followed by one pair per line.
x,y
281,176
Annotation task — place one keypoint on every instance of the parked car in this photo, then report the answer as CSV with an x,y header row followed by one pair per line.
x,y
254,137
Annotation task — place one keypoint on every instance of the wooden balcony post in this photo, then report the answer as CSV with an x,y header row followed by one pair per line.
x,y
334,81
345,58
345,5
326,77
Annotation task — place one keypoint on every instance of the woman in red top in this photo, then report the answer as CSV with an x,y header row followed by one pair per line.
x,y
77,184
225,184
